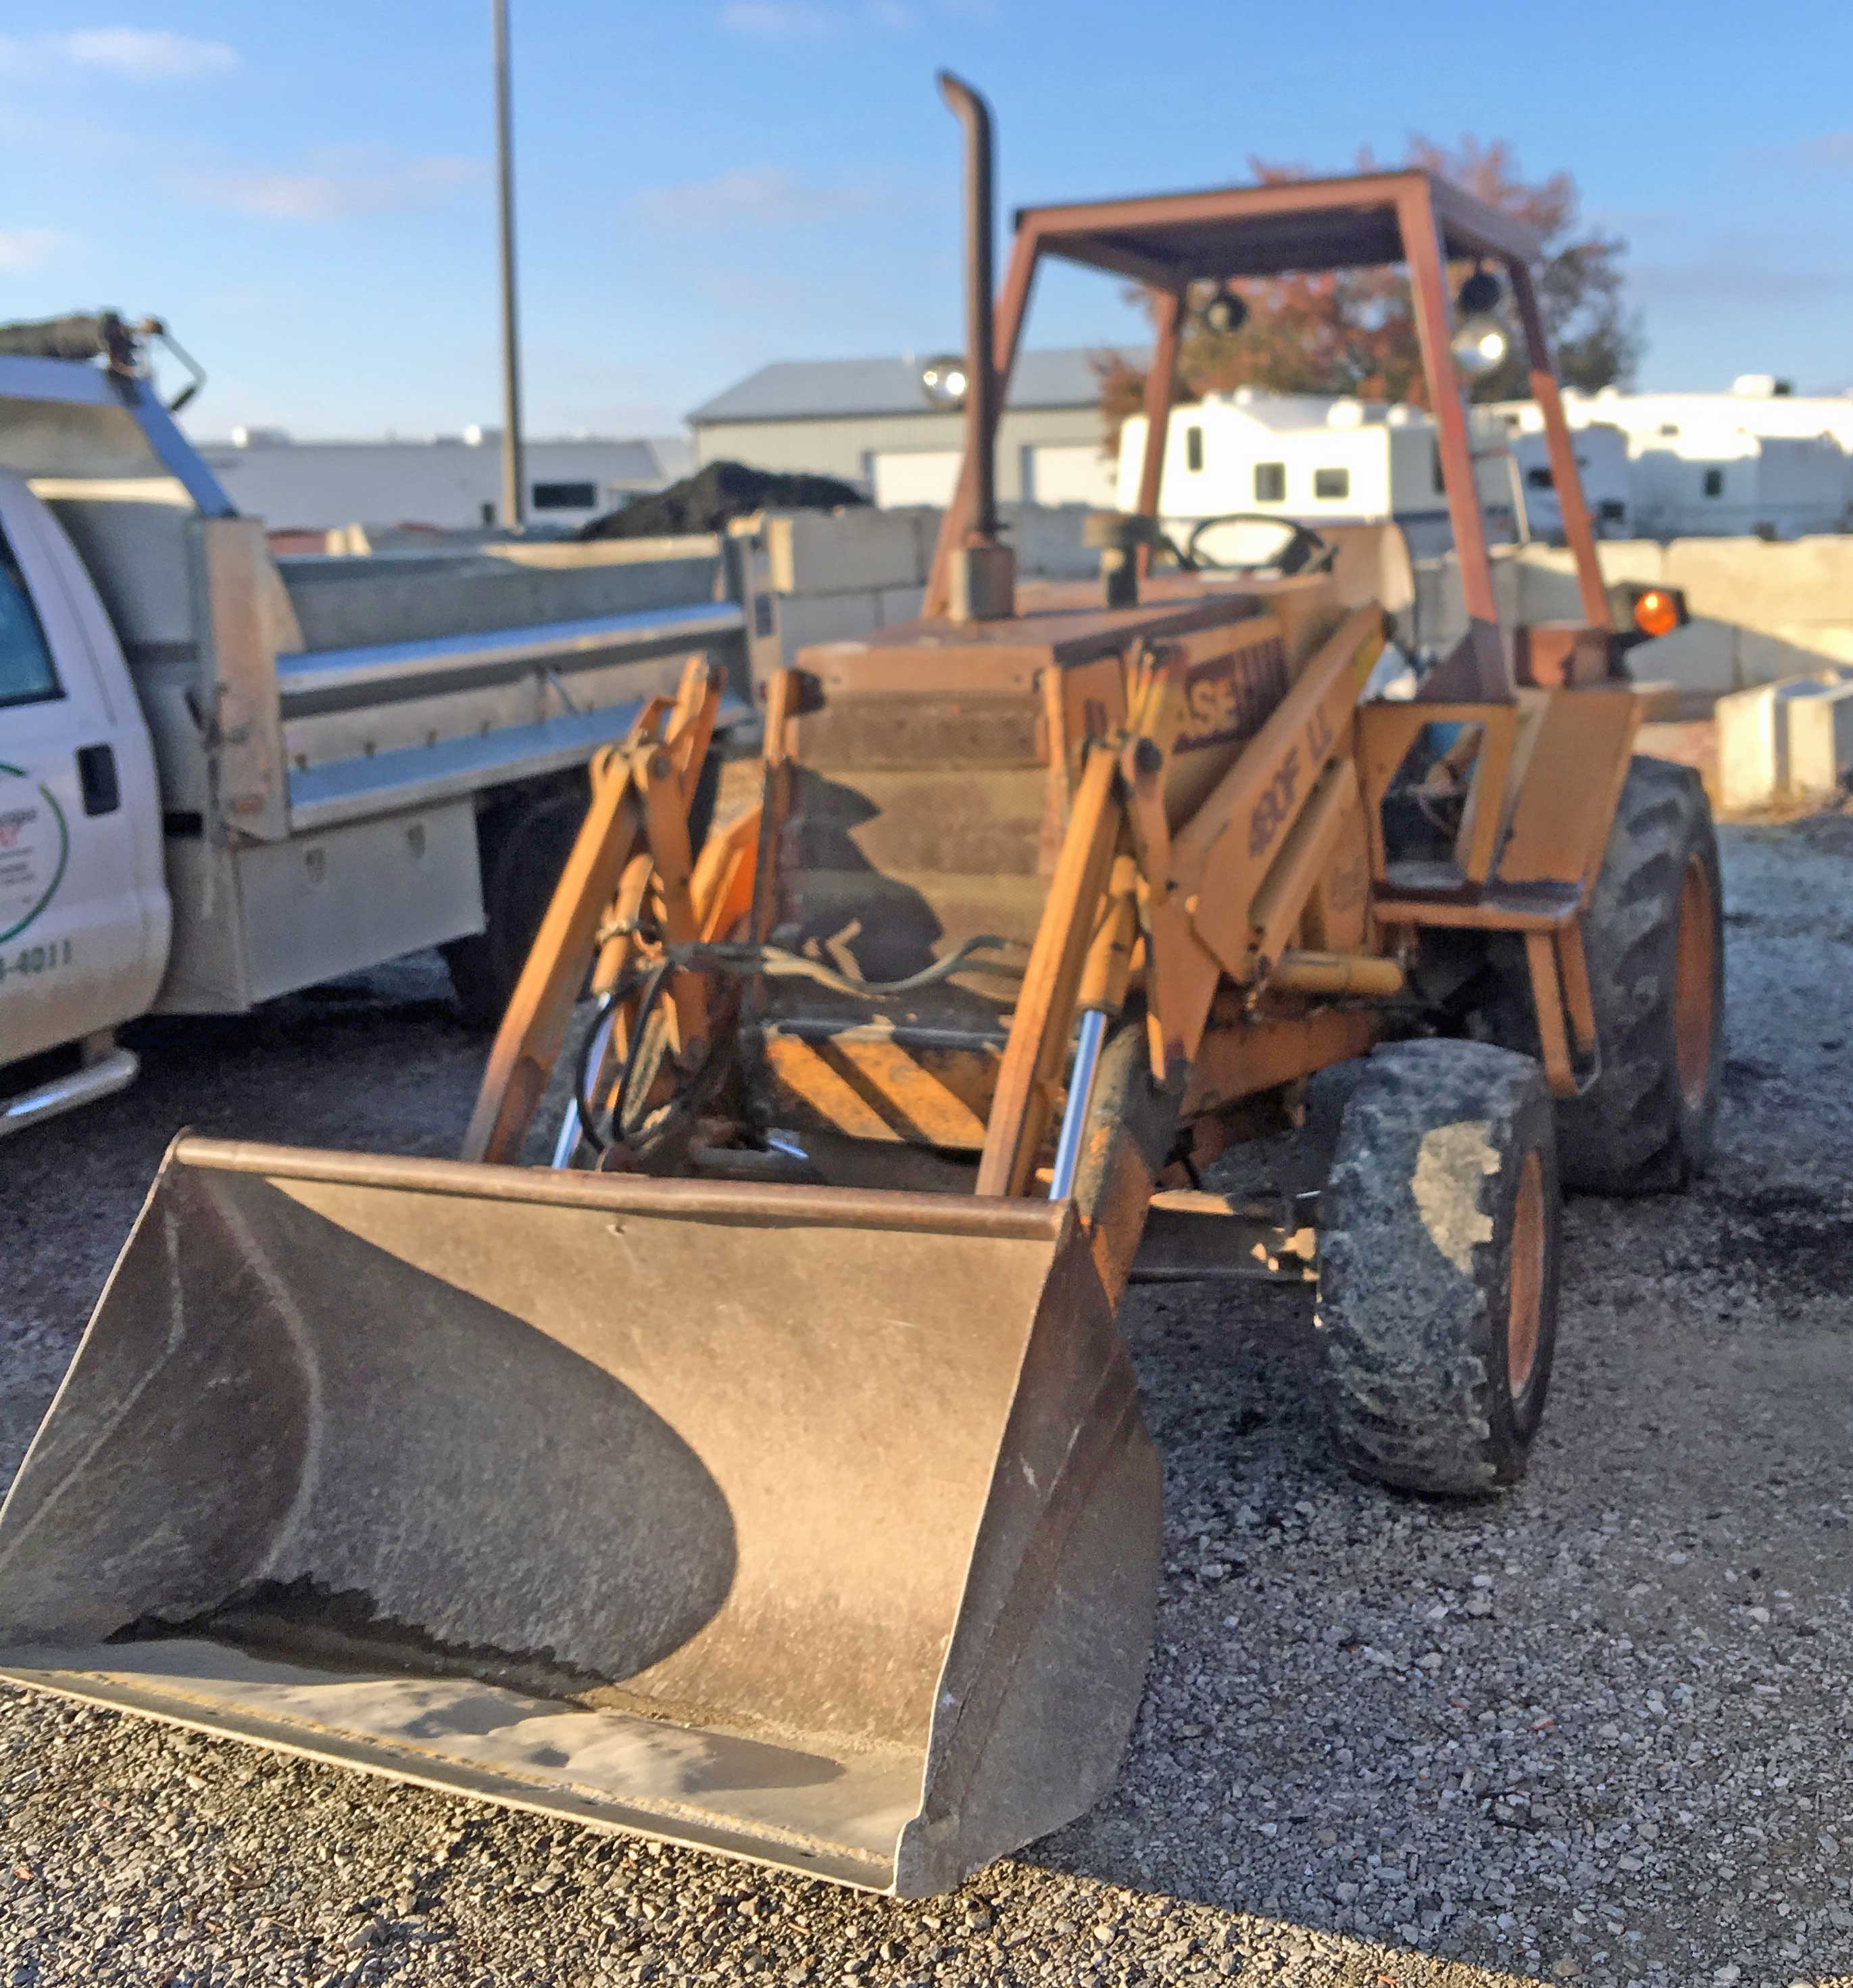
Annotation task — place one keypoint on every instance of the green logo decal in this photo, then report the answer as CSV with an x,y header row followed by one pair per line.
x,y
34,846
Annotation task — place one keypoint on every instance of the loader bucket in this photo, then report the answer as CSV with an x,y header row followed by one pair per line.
x,y
818,1526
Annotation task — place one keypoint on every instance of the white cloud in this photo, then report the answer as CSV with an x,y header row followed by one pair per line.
x,y
812,20
778,20
338,184
757,194
1834,148
144,54
154,52
23,248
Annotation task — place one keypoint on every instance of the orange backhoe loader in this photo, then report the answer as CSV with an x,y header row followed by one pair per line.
x,y
767,1472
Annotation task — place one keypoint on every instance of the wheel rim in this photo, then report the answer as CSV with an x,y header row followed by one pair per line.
x,y
1694,977
1524,1318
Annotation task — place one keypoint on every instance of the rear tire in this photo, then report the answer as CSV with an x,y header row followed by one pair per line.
x,y
1438,1275
1654,939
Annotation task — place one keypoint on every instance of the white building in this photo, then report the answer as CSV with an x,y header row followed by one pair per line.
x,y
867,422
453,481
1321,460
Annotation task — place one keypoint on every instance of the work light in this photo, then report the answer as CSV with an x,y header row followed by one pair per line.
x,y
942,381
1225,312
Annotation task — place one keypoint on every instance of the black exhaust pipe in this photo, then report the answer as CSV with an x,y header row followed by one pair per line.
x,y
983,580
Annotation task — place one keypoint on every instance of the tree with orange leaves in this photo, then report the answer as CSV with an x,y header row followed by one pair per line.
x,y
1351,331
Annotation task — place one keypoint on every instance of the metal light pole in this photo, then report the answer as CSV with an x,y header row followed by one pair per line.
x,y
513,510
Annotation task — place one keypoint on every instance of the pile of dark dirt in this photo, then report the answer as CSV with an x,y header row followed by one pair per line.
x,y
712,497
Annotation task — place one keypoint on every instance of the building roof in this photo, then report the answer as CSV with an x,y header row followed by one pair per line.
x,y
793,390
642,459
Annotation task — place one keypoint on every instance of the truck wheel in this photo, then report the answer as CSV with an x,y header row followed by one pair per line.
x,y
524,848
1654,939
1438,1261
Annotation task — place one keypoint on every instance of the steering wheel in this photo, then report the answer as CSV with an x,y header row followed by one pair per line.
x,y
1305,551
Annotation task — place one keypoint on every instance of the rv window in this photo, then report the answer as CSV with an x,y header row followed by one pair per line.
x,y
1441,482
26,675
565,496
1193,449
1714,483
1611,510
1331,483
1537,479
1271,483
1669,427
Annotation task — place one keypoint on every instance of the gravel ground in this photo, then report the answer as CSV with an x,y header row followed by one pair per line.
x,y
1600,1732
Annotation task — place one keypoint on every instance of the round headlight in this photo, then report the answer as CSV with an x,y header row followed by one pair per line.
x,y
1479,345
1225,313
943,381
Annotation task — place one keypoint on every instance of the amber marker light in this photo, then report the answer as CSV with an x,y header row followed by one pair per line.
x,y
1656,612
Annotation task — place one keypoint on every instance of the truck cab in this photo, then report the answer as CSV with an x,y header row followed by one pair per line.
x,y
85,917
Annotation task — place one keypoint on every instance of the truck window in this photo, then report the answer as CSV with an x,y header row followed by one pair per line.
x,y
1271,483
1193,449
565,496
1331,483
26,673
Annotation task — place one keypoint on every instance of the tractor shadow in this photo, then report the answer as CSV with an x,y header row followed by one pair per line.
x,y
1465,1730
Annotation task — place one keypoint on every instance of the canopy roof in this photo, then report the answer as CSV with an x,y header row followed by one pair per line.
x,y
1168,240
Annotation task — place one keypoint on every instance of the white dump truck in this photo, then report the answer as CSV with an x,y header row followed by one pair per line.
x,y
224,776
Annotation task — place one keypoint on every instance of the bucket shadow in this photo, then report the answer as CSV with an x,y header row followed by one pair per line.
x,y
274,1422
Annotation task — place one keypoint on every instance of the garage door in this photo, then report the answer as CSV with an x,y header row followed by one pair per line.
x,y
915,476
1068,473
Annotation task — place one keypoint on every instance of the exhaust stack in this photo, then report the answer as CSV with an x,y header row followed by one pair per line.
x,y
984,570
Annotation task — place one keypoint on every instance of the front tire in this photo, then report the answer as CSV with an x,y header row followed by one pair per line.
x,y
1438,1242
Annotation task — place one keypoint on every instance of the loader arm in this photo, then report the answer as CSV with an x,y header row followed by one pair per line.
x,y
641,794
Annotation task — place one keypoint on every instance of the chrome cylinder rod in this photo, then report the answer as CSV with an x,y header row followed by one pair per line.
x,y
1080,1096
567,1144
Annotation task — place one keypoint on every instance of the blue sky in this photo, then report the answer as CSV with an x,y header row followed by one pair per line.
x,y
705,185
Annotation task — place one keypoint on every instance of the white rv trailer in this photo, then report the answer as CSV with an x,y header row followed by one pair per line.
x,y
1755,459
1340,460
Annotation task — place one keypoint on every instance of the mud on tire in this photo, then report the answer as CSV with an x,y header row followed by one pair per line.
x,y
1437,1308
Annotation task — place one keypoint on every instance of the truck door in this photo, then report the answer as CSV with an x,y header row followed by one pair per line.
x,y
84,916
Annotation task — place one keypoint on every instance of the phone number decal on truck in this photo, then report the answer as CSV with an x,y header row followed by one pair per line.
x,y
34,846
35,959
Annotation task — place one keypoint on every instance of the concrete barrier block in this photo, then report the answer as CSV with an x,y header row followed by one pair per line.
x,y
1701,657
1047,540
924,521
1831,640
1820,741
805,618
900,603
1759,585
1793,648
1754,738
835,552
1547,589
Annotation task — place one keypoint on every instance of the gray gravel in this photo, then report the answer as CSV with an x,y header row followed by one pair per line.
x,y
1601,1732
